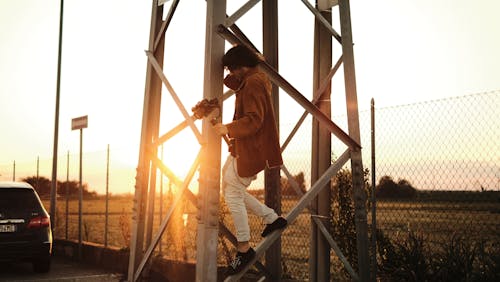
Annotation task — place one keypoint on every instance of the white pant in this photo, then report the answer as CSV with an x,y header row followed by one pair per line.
x,y
238,200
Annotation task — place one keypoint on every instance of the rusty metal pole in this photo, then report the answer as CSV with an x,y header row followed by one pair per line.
x,y
154,127
359,194
209,181
153,87
319,259
272,176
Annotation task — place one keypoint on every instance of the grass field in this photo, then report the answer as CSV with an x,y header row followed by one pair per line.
x,y
436,221
439,220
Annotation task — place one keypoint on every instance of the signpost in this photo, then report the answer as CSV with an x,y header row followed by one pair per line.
x,y
80,123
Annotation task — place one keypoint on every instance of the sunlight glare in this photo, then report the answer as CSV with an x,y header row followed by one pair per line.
x,y
179,154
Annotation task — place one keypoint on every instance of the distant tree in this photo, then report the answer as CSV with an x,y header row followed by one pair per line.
x,y
286,186
389,189
72,186
406,189
75,189
386,187
41,184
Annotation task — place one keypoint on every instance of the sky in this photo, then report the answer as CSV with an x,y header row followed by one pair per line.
x,y
405,51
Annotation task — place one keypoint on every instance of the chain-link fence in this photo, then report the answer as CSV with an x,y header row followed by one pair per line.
x,y
449,151
438,194
437,171
437,167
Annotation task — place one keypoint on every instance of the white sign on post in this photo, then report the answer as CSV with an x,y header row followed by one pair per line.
x,y
79,122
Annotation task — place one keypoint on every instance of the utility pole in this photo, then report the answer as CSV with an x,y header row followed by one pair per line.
x,y
53,188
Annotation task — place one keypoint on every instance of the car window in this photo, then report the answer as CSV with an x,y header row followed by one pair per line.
x,y
18,199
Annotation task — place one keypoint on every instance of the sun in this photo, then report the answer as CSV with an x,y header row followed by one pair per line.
x,y
179,153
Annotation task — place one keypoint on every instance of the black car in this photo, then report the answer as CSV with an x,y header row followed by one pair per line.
x,y
25,231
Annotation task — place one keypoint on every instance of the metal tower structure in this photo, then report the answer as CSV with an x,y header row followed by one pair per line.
x,y
221,29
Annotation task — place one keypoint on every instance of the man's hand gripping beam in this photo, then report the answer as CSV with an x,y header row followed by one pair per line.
x,y
209,109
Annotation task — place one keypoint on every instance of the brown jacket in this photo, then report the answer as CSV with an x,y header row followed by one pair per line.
x,y
254,127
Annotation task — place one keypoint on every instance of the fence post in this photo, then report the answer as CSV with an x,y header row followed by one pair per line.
x,y
107,201
374,209
37,171
67,194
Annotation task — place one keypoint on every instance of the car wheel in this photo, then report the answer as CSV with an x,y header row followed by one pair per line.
x,y
41,265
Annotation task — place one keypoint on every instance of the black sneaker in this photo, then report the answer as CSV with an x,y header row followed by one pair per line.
x,y
279,223
240,261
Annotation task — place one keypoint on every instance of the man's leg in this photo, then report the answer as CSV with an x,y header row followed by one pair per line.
x,y
271,219
269,216
235,203
260,209
234,193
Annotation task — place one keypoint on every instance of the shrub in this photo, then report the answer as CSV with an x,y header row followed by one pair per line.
x,y
411,259
455,259
343,228
487,267
404,260
124,222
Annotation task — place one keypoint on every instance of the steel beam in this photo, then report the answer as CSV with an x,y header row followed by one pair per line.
x,y
159,71
240,12
319,253
165,24
150,119
209,183
272,179
359,195
324,21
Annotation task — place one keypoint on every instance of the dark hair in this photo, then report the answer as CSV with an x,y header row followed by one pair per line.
x,y
240,56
